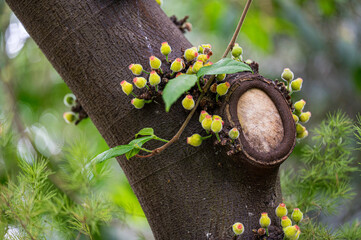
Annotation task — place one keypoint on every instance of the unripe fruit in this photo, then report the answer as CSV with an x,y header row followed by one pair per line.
x,y
222,88
195,140
286,222
160,2
233,133
236,50
249,61
238,228
264,221
177,65
69,100
216,116
136,69
297,236
154,62
299,105
296,85
138,103
281,210
287,75
69,117
295,117
290,231
165,49
202,116
203,57
302,135
300,128
126,87
190,54
190,70
207,122
208,64
221,77
139,82
188,102
154,78
297,215
197,65
305,116
217,125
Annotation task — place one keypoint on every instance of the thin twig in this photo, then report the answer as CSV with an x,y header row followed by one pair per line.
x,y
206,88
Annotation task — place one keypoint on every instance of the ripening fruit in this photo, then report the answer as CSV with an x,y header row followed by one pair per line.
x,y
221,77
139,82
69,117
261,231
281,210
233,133
216,125
136,69
154,78
296,85
208,64
297,215
190,54
203,57
177,65
126,87
165,49
154,62
287,75
222,88
197,65
216,116
291,231
188,102
295,117
286,222
179,74
69,100
190,70
236,50
202,115
305,116
195,140
299,105
138,103
238,228
264,221
302,135
207,122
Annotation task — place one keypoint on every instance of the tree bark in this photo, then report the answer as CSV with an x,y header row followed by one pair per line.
x,y
185,192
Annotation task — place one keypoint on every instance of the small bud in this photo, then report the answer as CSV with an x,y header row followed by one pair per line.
x,y
238,228
221,77
202,47
236,50
197,65
202,116
190,54
203,57
287,75
139,82
155,62
190,70
302,135
126,87
195,140
264,221
177,65
154,78
233,133
281,210
296,85
138,103
165,49
136,69
297,215
290,232
188,102
295,117
217,125
299,105
208,64
261,231
222,88
207,122
69,117
300,128
286,222
305,116
69,100
249,61
213,88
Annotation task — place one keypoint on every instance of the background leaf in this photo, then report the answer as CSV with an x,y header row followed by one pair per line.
x,y
225,65
176,87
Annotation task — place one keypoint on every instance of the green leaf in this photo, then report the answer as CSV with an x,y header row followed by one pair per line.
x,y
113,152
137,143
225,65
176,87
145,132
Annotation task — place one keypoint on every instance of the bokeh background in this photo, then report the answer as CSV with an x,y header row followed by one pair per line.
x,y
320,40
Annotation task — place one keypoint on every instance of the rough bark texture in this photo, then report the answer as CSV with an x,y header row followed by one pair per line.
x,y
185,192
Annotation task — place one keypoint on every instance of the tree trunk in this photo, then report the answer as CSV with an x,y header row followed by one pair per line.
x,y
185,192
